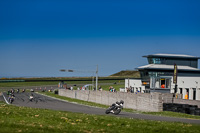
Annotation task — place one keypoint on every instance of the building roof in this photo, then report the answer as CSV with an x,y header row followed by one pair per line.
x,y
167,67
172,56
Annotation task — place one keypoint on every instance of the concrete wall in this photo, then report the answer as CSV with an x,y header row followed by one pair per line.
x,y
142,101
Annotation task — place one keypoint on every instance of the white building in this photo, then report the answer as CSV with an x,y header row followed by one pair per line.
x,y
158,75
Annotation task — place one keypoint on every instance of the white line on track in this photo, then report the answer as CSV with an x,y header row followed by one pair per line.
x,y
5,99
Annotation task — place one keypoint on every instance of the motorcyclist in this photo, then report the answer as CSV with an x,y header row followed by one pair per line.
x,y
120,103
8,93
11,97
31,97
117,104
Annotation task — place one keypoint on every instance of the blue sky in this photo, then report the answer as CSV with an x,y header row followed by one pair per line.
x,y
40,37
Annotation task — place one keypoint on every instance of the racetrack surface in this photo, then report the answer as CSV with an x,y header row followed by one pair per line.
x,y
41,101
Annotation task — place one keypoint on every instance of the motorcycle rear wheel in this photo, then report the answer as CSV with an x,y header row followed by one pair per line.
x,y
116,112
11,101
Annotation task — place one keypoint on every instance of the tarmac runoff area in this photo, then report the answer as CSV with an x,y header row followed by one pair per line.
x,y
46,102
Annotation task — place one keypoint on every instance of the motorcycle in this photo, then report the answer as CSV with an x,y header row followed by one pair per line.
x,y
115,108
31,98
11,98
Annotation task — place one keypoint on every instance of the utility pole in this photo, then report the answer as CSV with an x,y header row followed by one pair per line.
x,y
175,77
96,78
175,81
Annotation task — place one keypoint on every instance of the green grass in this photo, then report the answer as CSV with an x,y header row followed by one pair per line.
x,y
24,84
105,84
22,119
173,114
74,100
125,73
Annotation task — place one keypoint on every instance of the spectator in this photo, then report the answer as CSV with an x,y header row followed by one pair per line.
x,y
131,90
71,88
186,95
110,88
100,89
163,86
127,89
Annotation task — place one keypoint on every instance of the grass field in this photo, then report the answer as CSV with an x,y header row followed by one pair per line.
x,y
24,120
22,84
105,84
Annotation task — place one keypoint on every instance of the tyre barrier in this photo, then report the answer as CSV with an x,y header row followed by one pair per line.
x,y
182,108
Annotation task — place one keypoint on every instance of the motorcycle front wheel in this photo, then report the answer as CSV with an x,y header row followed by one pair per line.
x,y
108,110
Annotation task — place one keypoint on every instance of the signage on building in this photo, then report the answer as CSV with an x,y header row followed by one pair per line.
x,y
175,74
145,83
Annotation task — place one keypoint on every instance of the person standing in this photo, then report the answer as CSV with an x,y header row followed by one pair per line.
x,y
186,96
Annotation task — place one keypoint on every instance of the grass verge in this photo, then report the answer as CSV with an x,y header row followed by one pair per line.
x,y
74,100
24,120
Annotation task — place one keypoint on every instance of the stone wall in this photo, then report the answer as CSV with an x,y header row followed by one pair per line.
x,y
190,102
168,98
143,101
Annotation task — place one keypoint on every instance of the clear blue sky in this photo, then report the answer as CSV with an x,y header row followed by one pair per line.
x,y
40,37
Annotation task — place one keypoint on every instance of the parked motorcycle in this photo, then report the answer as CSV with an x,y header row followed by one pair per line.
x,y
115,108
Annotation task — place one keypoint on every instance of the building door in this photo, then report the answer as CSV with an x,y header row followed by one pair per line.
x,y
194,93
187,92
133,89
162,83
168,83
165,83
181,90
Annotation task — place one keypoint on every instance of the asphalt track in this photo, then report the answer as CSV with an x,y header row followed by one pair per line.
x,y
44,102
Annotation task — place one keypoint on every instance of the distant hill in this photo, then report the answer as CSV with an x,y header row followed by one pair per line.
x,y
127,73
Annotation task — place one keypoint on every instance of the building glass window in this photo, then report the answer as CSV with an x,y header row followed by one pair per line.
x,y
154,60
159,74
167,82
158,82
